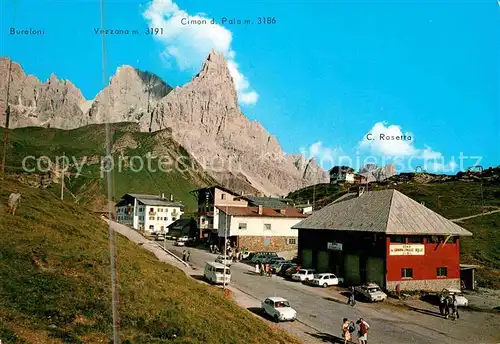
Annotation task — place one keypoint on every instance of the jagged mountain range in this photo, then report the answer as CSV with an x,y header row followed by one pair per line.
x,y
203,115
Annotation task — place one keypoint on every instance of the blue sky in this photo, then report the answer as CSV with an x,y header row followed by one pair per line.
x,y
320,79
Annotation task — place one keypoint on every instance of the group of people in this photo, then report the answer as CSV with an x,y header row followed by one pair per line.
x,y
263,269
448,305
348,328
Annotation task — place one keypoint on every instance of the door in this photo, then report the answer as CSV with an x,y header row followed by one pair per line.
x,y
306,259
375,271
323,262
351,269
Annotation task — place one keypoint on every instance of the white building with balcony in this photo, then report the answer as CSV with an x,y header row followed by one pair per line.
x,y
152,213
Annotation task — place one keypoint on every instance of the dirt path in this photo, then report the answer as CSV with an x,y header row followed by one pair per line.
x,y
477,215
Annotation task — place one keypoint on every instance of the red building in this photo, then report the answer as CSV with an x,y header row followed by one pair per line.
x,y
383,237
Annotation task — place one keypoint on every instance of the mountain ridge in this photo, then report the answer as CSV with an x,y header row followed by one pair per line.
x,y
203,115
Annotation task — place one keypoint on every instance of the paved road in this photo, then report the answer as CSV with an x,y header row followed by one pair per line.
x,y
323,314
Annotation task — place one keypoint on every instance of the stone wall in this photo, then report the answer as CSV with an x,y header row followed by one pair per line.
x,y
276,244
427,285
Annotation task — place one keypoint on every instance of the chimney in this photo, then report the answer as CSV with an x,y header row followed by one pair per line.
x,y
260,210
162,196
171,197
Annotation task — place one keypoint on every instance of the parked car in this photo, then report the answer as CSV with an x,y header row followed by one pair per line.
x,y
370,292
259,257
272,260
277,266
303,275
279,309
461,299
284,268
325,280
181,241
291,271
227,261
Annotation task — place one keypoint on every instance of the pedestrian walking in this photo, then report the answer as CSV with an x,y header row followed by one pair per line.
x,y
184,255
188,255
351,300
347,328
14,202
454,308
441,304
363,331
398,290
447,306
257,269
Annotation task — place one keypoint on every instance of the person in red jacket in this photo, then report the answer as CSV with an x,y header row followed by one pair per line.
x,y
363,331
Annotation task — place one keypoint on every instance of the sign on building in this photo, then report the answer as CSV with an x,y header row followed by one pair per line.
x,y
267,241
406,250
334,246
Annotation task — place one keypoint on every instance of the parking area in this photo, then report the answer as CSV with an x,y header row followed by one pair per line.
x,y
320,310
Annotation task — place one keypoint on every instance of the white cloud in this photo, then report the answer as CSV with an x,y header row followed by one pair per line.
x,y
403,148
325,157
399,148
189,45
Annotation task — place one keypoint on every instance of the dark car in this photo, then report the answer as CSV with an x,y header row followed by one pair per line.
x,y
290,271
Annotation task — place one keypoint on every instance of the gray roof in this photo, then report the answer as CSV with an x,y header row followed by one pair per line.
x,y
266,202
384,211
160,202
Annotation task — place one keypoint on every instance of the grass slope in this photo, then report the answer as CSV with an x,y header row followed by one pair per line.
x,y
457,199
55,285
91,186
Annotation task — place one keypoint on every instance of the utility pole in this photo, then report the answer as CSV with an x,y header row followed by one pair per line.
x,y
314,196
225,248
62,182
7,119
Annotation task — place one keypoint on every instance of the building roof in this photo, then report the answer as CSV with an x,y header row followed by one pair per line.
x,y
215,186
151,200
266,212
181,223
384,211
268,202
160,202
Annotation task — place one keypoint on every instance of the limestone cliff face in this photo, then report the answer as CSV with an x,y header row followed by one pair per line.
x,y
203,116
129,97
54,103
205,119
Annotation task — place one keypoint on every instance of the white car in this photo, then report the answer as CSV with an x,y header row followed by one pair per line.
x,y
371,292
221,260
325,280
181,241
461,299
279,309
304,275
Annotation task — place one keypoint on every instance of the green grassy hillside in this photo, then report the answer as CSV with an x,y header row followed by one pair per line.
x,y
180,174
452,199
55,285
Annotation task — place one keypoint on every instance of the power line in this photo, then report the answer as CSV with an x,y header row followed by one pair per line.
x,y
114,282
7,108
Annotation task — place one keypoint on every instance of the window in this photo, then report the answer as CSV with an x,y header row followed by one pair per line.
x,y
174,219
164,219
292,241
151,227
267,226
442,272
162,228
223,196
406,273
433,239
151,218
415,239
398,239
151,210
242,226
